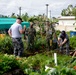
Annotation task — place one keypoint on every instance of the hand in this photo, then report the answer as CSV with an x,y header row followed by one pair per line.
x,y
60,44
24,26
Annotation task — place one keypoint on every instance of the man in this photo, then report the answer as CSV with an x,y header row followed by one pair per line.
x,y
49,35
15,32
31,36
63,39
25,33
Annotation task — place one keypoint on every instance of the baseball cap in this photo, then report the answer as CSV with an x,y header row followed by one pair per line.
x,y
20,19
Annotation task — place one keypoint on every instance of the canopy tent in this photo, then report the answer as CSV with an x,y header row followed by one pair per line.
x,y
5,23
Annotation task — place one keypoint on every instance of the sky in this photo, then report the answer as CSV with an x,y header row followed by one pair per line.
x,y
34,7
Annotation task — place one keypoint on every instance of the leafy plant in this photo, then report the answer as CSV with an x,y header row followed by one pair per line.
x,y
73,42
36,64
7,63
6,45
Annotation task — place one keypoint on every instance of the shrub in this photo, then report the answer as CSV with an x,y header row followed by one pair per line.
x,y
6,45
73,42
36,65
40,43
7,63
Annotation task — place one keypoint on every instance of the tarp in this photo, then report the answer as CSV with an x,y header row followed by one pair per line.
x,y
5,23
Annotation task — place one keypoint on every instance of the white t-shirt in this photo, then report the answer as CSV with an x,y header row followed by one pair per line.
x,y
15,28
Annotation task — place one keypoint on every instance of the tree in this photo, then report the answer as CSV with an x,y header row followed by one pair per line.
x,y
13,15
70,8
1,16
25,17
69,11
74,11
63,12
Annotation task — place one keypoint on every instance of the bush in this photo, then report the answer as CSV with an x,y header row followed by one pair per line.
x,y
40,43
58,32
7,63
36,65
73,42
6,45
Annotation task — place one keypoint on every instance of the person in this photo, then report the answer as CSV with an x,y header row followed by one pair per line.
x,y
63,39
49,35
25,33
55,41
31,36
15,32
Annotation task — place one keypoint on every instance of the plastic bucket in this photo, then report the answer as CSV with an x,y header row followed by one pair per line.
x,y
72,33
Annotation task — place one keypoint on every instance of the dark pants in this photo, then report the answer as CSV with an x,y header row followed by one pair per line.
x,y
48,45
67,48
18,46
30,43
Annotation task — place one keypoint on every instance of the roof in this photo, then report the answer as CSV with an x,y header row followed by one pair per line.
x,y
66,18
5,23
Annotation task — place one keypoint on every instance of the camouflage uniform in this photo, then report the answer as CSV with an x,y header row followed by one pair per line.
x,y
18,46
31,35
49,36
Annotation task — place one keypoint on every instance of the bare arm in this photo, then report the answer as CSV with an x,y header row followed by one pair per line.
x,y
59,40
22,30
9,32
63,42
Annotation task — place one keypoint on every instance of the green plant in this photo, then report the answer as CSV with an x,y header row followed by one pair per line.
x,y
73,42
6,45
7,63
40,43
36,64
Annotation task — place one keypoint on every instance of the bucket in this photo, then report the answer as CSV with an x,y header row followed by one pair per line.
x,y
72,33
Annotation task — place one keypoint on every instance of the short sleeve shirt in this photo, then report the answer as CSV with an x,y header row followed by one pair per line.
x,y
15,28
66,37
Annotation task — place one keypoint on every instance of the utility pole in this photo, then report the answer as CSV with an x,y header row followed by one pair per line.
x,y
50,14
20,11
47,11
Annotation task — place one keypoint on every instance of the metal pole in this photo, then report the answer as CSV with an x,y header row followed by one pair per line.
x,y
19,11
50,14
47,11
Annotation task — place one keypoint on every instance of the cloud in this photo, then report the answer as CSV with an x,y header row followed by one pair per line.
x,y
34,7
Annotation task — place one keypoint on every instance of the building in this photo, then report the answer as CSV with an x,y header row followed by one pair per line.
x,y
67,23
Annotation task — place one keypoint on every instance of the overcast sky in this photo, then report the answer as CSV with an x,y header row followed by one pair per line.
x,y
34,7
